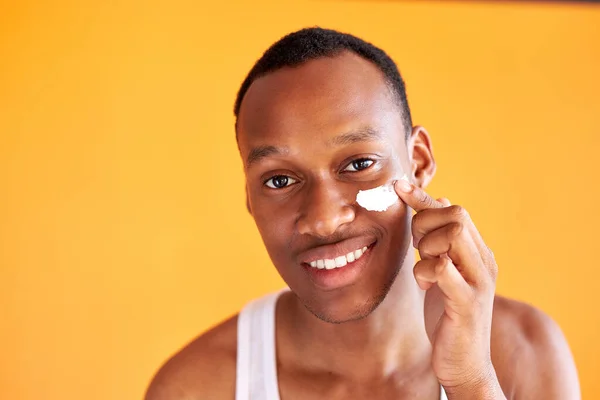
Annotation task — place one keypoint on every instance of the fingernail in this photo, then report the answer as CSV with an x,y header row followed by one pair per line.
x,y
404,186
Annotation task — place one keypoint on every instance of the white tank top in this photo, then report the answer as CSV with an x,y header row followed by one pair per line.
x,y
256,367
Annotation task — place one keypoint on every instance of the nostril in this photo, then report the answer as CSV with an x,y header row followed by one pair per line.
x,y
323,226
323,211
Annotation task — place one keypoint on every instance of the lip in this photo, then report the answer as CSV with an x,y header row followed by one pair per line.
x,y
331,251
336,278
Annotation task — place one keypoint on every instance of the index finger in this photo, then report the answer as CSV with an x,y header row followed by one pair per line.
x,y
415,197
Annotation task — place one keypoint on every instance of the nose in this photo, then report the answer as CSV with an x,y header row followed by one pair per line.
x,y
326,208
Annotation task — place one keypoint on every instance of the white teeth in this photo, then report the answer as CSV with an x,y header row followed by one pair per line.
x,y
350,257
340,261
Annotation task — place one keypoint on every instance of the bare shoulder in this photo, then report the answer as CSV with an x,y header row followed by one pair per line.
x,y
205,368
530,353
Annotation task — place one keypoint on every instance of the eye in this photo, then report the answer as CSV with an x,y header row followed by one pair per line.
x,y
359,165
279,181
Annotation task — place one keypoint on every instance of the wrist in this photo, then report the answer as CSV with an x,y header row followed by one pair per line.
x,y
483,386
490,392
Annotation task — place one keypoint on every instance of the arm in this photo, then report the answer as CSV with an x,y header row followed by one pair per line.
x,y
180,379
189,377
204,369
166,387
456,260
546,369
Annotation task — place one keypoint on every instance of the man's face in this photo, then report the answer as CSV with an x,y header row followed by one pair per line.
x,y
311,137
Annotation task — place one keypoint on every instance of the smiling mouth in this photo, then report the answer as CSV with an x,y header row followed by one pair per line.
x,y
340,261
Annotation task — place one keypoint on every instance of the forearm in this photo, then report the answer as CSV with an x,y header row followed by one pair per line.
x,y
491,392
485,387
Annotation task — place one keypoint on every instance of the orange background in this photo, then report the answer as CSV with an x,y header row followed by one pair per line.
x,y
123,231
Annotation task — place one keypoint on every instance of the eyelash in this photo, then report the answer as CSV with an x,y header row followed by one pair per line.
x,y
266,183
279,176
361,159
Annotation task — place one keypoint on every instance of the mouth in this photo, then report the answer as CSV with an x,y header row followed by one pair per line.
x,y
342,270
340,261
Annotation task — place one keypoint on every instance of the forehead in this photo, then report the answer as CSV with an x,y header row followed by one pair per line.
x,y
315,101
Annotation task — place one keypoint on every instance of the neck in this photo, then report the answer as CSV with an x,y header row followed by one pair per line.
x,y
392,340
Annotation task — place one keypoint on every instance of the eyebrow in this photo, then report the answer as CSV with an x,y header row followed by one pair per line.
x,y
364,134
261,152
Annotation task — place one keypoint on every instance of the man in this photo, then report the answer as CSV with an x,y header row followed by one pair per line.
x,y
320,117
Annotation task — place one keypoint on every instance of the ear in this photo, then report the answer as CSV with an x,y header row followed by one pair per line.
x,y
421,157
248,202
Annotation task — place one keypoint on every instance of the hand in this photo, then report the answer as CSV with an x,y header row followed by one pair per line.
x,y
455,258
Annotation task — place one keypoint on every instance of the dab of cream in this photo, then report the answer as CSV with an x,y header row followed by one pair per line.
x,y
379,198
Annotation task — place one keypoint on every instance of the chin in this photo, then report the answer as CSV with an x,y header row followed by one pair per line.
x,y
352,307
340,316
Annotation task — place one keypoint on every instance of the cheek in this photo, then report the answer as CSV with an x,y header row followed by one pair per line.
x,y
399,163
275,230
395,221
393,170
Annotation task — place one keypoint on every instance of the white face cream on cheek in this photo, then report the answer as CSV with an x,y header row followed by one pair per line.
x,y
379,198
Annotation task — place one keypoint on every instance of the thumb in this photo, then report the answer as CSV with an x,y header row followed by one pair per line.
x,y
444,201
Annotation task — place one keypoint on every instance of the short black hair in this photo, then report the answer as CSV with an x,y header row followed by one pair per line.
x,y
311,43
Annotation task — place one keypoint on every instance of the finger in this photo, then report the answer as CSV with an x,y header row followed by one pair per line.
x,y
414,196
441,271
454,241
426,221
445,202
